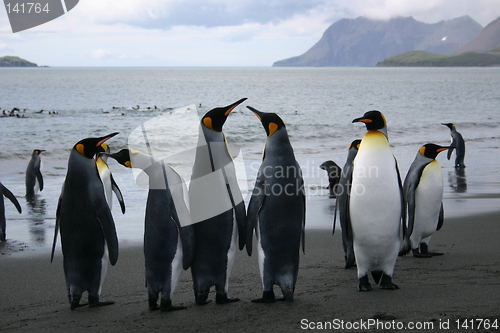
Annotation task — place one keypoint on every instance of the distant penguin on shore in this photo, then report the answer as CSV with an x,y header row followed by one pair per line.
x,y
376,205
34,179
8,194
458,143
168,230
423,192
342,205
333,171
88,234
217,208
277,211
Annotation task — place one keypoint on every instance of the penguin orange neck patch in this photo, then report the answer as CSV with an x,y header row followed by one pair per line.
x,y
272,128
208,122
81,149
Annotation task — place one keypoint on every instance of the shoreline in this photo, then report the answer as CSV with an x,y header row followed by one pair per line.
x,y
461,284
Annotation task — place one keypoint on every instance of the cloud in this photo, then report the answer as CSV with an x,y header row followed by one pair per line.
x,y
161,14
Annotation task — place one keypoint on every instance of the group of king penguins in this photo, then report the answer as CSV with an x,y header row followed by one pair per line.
x,y
202,227
377,209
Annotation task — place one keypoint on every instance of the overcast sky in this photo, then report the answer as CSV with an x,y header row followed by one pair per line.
x,y
207,32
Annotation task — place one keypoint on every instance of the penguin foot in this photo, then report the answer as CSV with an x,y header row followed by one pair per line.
x,y
386,283
267,297
418,254
223,299
74,301
364,284
166,306
202,300
94,302
153,307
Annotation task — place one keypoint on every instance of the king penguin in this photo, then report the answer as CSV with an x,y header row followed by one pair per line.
x,y
8,194
86,225
342,204
376,205
168,232
276,211
458,143
34,179
107,179
423,192
217,208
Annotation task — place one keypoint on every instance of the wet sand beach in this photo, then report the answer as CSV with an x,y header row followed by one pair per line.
x,y
463,284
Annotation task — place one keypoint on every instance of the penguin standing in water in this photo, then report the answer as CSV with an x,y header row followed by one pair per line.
x,y
108,181
334,172
423,192
86,224
34,179
342,204
8,194
458,143
168,233
277,211
376,205
217,208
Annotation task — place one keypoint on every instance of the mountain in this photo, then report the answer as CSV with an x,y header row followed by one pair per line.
x,y
488,39
365,42
11,61
427,59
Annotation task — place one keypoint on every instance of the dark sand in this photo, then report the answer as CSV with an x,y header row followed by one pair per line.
x,y
464,283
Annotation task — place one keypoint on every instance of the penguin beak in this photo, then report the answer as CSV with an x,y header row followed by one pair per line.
x,y
105,138
362,120
256,112
231,107
442,149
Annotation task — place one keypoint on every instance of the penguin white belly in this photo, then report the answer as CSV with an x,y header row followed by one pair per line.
x,y
104,267
260,253
428,198
375,210
231,253
176,267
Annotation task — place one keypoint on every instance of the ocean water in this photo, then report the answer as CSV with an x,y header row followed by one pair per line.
x,y
317,104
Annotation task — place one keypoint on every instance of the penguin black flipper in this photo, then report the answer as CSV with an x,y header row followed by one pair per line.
x,y
441,218
56,228
103,215
407,227
39,177
8,194
254,206
188,243
452,147
118,193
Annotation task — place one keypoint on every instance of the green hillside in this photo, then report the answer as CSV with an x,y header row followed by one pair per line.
x,y
11,61
427,59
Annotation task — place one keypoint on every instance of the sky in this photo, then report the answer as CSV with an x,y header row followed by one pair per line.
x,y
207,33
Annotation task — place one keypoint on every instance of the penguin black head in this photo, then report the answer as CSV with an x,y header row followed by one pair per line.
x,y
271,121
449,125
374,120
122,157
431,150
355,144
38,151
215,118
90,146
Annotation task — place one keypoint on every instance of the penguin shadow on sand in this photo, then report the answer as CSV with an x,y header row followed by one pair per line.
x,y
458,180
37,209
